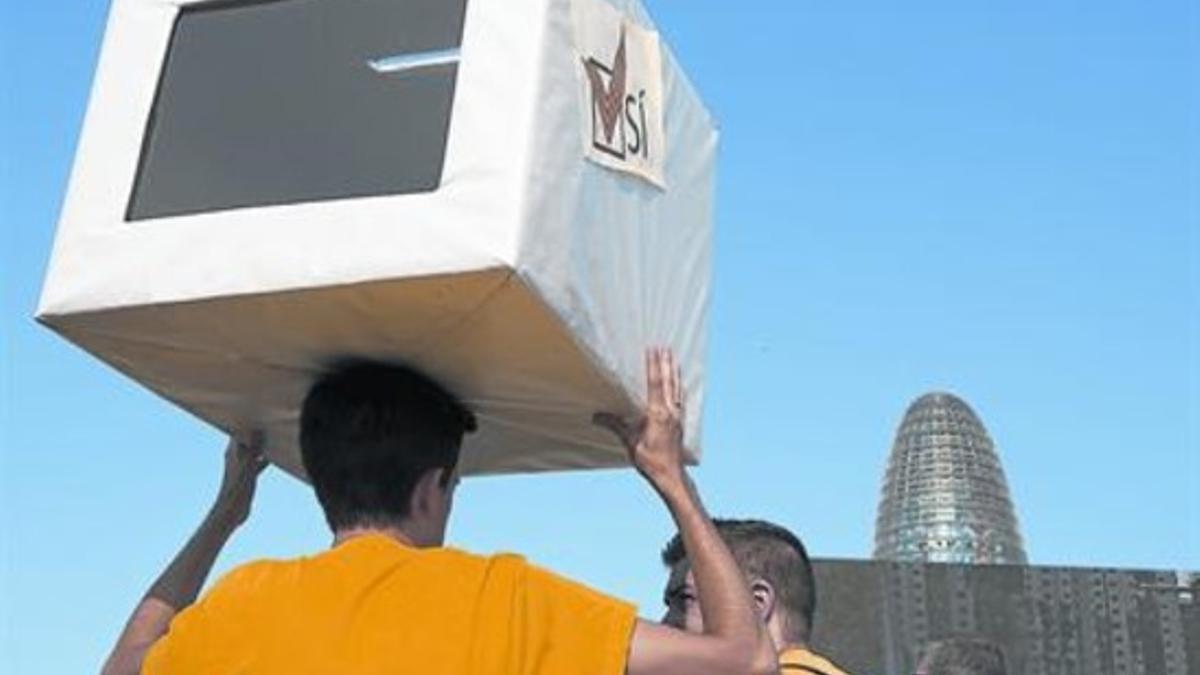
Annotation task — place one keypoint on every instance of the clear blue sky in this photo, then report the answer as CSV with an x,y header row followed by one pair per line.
x,y
999,199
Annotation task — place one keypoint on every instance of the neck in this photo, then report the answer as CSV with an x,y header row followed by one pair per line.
x,y
783,641
793,644
785,645
395,532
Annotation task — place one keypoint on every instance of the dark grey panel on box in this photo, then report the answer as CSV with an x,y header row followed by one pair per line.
x,y
263,103
874,617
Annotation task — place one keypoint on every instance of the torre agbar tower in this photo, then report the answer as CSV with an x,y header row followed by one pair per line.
x,y
944,494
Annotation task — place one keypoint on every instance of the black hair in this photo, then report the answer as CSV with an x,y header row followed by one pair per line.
x,y
369,431
771,553
964,656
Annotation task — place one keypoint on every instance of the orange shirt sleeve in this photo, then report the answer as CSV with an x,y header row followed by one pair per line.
x,y
203,637
570,628
181,649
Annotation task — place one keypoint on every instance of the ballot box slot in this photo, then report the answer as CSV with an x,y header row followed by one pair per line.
x,y
415,62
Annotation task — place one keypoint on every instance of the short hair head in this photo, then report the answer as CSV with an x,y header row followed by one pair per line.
x,y
963,656
767,551
368,432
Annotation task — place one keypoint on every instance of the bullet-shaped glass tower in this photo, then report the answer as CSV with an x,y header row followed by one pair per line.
x,y
944,497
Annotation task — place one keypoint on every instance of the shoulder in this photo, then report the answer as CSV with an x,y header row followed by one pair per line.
x,y
569,594
247,579
256,571
503,563
514,567
510,570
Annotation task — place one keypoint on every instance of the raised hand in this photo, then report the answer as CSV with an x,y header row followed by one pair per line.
x,y
734,639
655,441
244,461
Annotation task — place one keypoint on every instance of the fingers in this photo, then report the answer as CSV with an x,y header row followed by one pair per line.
x,y
249,443
671,381
680,394
654,378
664,376
664,393
254,441
253,449
664,379
247,449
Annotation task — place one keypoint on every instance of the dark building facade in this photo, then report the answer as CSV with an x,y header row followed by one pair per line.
x,y
944,497
874,617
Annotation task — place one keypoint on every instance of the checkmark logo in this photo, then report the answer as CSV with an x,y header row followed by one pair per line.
x,y
608,97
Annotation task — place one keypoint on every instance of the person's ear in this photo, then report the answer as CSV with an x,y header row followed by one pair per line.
x,y
427,493
763,594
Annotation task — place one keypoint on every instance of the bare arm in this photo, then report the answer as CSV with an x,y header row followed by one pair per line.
x,y
178,585
735,641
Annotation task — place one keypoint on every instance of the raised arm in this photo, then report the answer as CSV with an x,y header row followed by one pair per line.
x,y
735,641
178,585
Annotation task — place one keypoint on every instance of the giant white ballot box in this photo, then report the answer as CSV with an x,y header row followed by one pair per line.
x,y
514,196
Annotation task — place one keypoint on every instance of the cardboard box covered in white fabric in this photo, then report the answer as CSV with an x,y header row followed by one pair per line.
x,y
514,196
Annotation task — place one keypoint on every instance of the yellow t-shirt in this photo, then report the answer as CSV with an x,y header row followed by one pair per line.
x,y
373,605
801,661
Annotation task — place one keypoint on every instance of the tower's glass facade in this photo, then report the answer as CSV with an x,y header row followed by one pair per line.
x,y
944,497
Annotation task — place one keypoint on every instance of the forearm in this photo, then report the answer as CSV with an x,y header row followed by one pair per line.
x,y
180,583
720,585
734,642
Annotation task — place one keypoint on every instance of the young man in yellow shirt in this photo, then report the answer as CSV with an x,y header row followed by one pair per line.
x,y
380,445
780,578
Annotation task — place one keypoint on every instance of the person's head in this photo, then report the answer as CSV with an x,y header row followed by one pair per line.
x,y
776,568
380,444
962,656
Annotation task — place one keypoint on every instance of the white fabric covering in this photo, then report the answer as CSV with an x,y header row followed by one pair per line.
x,y
528,282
